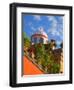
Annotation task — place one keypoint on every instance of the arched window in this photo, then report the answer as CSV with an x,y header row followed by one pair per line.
x,y
35,40
41,40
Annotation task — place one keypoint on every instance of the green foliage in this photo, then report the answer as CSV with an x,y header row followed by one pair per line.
x,y
40,50
26,40
24,35
46,59
44,56
55,68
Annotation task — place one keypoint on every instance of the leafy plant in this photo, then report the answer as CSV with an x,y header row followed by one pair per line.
x,y
26,41
55,68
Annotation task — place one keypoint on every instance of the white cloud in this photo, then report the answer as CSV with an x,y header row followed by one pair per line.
x,y
58,33
37,17
55,33
33,28
56,28
50,18
53,21
61,32
58,42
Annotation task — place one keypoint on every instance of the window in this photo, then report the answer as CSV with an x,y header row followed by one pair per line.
x,y
35,40
41,40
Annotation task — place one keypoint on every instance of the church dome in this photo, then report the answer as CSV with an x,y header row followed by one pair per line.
x,y
42,32
39,37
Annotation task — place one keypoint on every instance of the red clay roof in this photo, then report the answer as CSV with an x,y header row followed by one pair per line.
x,y
29,68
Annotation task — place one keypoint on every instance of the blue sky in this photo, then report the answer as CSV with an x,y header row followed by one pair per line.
x,y
52,25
